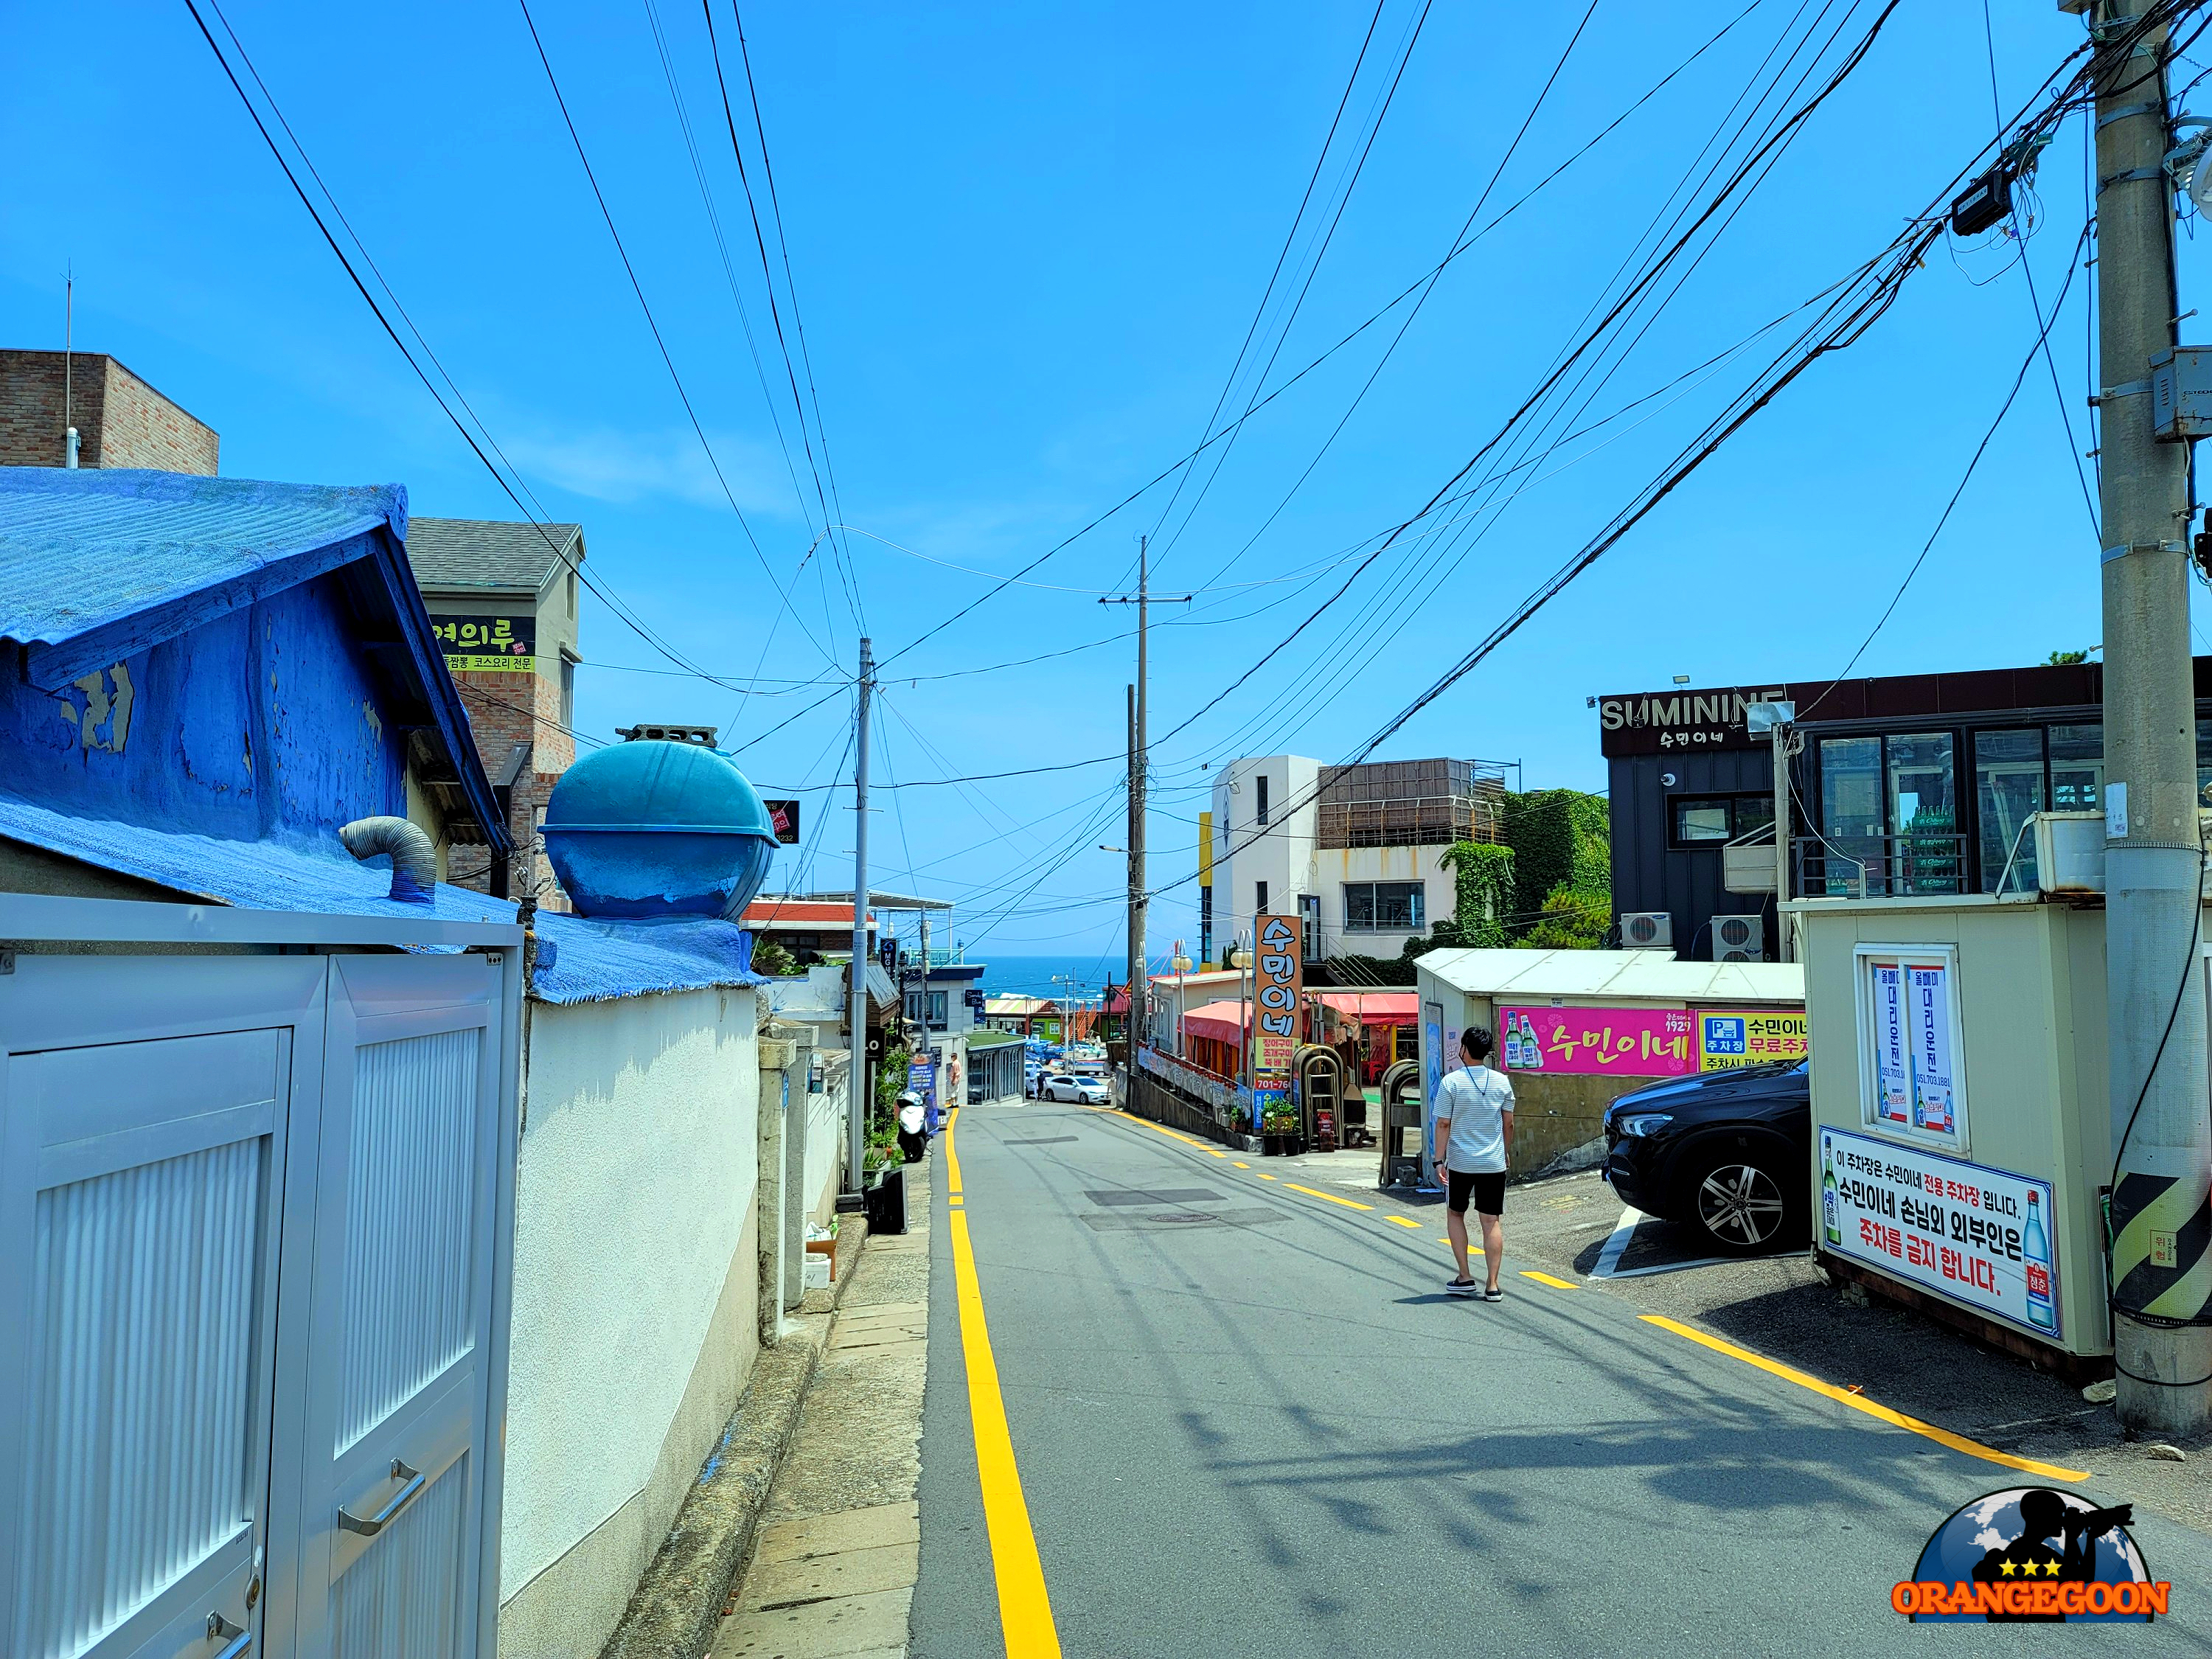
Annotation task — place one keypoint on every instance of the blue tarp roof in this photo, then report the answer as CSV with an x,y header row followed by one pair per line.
x,y
87,547
590,962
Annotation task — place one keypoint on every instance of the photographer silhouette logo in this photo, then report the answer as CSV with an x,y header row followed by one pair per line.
x,y
2032,1555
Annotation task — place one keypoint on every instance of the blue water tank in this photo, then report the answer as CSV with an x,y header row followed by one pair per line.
x,y
651,831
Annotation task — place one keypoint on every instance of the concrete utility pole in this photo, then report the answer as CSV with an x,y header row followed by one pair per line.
x,y
1139,761
2153,858
856,1011
928,1042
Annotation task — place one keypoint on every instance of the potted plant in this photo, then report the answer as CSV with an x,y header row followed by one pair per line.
x,y
1279,1133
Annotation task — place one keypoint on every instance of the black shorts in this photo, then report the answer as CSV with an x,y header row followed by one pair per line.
x,y
1487,1189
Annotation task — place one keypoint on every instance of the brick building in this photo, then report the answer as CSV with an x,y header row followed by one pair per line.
x,y
504,599
121,422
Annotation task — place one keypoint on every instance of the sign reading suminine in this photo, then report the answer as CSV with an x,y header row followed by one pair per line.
x,y
1280,975
1980,1236
1755,1037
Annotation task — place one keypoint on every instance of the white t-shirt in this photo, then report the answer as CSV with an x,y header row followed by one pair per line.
x,y
1475,1098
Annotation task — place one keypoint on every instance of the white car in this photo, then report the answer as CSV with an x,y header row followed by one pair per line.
x,y
1085,1090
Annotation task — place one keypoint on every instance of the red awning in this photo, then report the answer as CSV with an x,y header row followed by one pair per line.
x,y
1374,1007
1221,1022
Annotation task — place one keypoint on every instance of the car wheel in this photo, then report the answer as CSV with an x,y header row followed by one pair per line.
x,y
1740,1206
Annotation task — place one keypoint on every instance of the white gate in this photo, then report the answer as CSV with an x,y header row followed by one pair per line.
x,y
261,1206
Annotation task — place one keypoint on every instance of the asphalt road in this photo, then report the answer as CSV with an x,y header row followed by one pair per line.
x,y
1265,1430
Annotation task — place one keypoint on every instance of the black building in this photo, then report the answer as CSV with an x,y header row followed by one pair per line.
x,y
1915,783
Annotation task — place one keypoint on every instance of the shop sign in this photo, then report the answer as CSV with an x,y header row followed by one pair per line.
x,y
499,645
1666,722
1280,977
1909,1002
922,1077
1752,1036
1599,1041
1980,1236
784,815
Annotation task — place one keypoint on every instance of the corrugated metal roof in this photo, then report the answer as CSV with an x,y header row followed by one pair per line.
x,y
81,549
489,553
591,961
1649,976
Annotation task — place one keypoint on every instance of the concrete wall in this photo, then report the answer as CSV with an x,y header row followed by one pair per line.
x,y
635,1296
825,1136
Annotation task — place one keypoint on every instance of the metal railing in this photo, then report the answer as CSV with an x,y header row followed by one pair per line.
x,y
1904,865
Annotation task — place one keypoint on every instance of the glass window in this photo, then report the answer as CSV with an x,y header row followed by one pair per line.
x,y
1259,785
2078,769
2204,762
1260,898
1701,819
1850,818
2008,787
939,1008
1930,854
1753,812
1384,907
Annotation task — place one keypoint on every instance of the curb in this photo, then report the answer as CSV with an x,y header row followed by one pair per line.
x,y
677,1609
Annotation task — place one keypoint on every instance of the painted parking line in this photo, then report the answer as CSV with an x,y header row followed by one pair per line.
x,y
1547,1279
1315,1192
1957,1443
1608,1259
1024,1607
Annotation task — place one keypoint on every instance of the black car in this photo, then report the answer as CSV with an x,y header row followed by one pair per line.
x,y
1729,1153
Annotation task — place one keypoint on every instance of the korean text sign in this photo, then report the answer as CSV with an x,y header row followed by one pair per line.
x,y
1280,975
501,644
1915,1083
1750,1037
1591,1042
1980,1236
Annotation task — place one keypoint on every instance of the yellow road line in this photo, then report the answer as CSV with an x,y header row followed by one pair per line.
x,y
1957,1443
1263,1175
951,1158
1472,1249
1024,1607
1403,1222
1240,1163
1546,1279
1311,1192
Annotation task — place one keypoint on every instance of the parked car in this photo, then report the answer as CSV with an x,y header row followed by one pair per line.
x,y
1728,1153
1085,1090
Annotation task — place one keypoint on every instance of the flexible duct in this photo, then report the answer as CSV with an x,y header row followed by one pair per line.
x,y
414,859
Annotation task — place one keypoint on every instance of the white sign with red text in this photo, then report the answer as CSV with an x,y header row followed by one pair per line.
x,y
1980,1236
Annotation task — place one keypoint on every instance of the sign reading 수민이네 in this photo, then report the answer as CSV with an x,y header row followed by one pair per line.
x,y
1598,1042
1279,964
1751,1036
502,645
1980,1236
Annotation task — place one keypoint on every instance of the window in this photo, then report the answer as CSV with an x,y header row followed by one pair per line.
x,y
2078,769
1911,1084
1701,819
572,590
567,692
937,1009
2008,787
1260,899
1259,786
1384,907
1709,820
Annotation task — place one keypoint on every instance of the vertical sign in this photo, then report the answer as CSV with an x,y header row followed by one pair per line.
x,y
1892,1063
1280,977
1931,999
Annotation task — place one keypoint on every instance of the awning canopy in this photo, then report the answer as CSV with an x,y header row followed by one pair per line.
x,y
1221,1022
1373,1007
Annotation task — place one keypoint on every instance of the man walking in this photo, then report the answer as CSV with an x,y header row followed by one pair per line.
x,y
1473,1114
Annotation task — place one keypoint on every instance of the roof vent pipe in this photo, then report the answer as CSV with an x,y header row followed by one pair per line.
x,y
414,860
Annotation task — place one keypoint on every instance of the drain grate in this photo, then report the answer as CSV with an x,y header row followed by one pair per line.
x,y
1164,1195
1162,1221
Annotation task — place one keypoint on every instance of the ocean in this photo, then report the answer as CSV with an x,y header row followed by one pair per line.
x,y
1046,976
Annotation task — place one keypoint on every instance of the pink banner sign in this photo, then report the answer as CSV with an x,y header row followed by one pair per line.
x,y
1583,1041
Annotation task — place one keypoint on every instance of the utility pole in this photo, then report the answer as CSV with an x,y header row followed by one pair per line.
x,y
928,1043
1139,761
2154,858
856,1013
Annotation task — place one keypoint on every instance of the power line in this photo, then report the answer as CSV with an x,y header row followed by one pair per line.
x,y
652,324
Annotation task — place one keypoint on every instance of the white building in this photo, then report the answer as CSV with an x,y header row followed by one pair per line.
x,y
1354,849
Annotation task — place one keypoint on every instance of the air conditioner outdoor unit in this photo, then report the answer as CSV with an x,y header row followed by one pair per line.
x,y
1739,938
1647,930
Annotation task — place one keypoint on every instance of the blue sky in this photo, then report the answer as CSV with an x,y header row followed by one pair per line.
x,y
1026,243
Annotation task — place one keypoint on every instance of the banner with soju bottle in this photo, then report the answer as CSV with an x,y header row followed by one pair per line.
x,y
1980,1236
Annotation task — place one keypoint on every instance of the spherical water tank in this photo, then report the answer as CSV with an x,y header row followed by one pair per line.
x,y
651,831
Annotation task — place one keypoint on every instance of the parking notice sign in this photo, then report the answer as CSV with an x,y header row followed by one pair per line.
x,y
1750,1037
1980,1236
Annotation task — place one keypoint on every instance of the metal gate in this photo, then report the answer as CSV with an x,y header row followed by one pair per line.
x,y
264,1204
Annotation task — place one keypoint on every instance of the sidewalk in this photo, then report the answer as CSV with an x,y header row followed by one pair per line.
x,y
833,1572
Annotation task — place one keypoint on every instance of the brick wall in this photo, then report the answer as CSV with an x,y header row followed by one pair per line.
x,y
120,420
505,710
